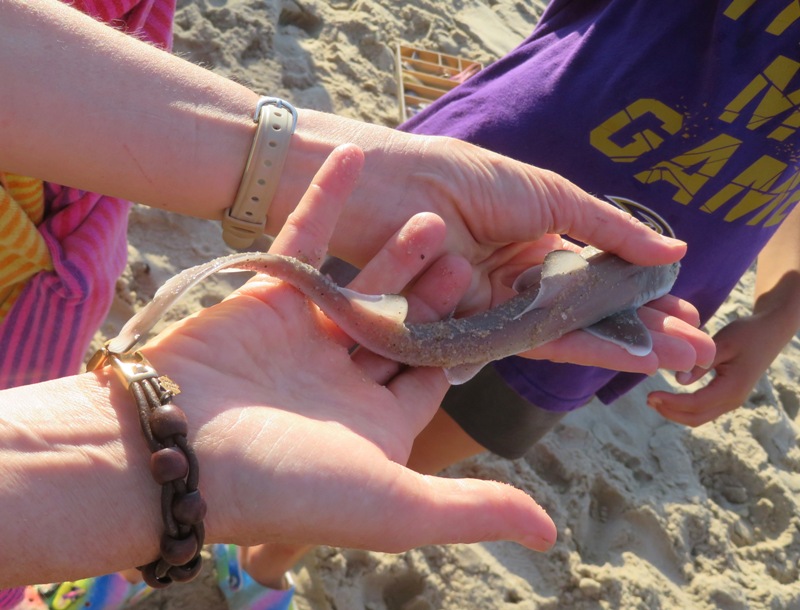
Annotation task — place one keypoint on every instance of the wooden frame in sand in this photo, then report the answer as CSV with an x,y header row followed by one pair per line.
x,y
424,76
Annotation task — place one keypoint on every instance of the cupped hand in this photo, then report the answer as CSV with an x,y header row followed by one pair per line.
x,y
300,442
504,216
499,212
741,359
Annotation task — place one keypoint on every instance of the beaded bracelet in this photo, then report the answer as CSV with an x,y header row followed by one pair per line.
x,y
173,464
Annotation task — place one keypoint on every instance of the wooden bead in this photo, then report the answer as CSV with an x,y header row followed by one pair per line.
x,y
178,552
189,508
150,578
168,464
186,572
168,420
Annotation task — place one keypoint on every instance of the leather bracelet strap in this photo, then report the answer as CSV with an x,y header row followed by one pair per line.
x,y
246,218
173,465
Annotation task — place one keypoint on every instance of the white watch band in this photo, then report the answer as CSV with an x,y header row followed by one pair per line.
x,y
246,218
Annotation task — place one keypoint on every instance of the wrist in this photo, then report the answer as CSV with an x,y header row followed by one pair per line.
x,y
80,474
210,417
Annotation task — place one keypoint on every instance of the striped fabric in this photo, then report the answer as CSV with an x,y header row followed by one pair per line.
x,y
10,598
78,249
23,252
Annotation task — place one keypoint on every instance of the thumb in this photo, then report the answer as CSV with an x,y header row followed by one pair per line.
x,y
426,509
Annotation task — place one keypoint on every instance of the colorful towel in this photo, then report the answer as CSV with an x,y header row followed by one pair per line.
x,y
23,252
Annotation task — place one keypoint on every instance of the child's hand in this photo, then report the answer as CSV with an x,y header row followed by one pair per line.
x,y
743,356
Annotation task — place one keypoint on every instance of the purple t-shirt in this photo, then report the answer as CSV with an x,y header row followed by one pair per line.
x,y
685,113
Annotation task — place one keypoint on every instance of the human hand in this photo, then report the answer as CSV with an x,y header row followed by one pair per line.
x,y
741,359
503,216
299,442
678,343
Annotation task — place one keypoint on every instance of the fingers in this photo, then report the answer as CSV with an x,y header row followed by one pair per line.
x,y
404,256
696,408
676,349
536,201
689,377
421,390
731,385
594,222
400,260
435,295
579,347
436,292
677,308
419,393
679,345
308,229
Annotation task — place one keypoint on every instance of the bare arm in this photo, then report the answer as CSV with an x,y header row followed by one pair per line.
x,y
79,472
777,295
87,106
99,110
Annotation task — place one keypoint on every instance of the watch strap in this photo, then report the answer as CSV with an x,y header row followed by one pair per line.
x,y
245,220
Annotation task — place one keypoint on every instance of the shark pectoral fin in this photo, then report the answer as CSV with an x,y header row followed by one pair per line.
x,y
392,307
626,330
456,375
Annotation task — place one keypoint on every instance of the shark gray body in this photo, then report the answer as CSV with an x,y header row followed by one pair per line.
x,y
597,292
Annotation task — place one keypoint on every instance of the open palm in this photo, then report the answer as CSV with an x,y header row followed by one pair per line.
x,y
300,441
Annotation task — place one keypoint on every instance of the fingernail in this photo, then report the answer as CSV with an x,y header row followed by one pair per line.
x,y
683,377
654,403
540,543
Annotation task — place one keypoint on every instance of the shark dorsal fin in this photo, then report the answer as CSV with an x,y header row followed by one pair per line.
x,y
556,271
532,276
562,262
392,307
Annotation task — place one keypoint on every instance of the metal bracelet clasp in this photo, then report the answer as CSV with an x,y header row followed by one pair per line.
x,y
130,368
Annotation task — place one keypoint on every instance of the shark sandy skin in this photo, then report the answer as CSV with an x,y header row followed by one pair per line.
x,y
594,291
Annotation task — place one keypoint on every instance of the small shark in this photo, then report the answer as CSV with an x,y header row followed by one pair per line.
x,y
594,291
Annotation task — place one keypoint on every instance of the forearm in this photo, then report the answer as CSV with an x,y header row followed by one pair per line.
x,y
94,108
99,110
89,107
76,494
777,292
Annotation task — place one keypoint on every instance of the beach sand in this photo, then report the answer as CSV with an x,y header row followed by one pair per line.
x,y
651,515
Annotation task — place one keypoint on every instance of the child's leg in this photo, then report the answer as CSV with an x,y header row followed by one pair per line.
x,y
484,413
441,444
